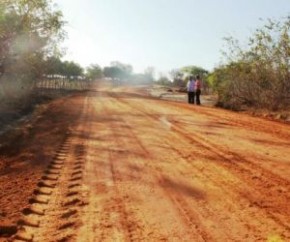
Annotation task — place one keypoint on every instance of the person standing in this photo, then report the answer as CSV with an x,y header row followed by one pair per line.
x,y
190,90
197,87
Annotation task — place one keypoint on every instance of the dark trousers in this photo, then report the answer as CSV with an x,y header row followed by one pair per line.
x,y
190,97
197,94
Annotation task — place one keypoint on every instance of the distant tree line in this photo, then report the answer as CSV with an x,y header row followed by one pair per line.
x,y
179,77
257,75
30,56
120,73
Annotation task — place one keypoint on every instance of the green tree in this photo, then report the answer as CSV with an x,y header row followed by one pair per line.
x,y
177,77
94,71
72,69
258,75
29,31
118,70
193,71
55,66
112,72
164,81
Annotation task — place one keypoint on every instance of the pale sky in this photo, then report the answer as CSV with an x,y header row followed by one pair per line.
x,y
165,34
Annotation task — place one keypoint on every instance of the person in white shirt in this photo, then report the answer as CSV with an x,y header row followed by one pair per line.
x,y
191,90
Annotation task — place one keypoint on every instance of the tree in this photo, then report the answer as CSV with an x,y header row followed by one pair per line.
x,y
193,71
164,81
112,72
29,33
149,73
258,75
28,29
54,66
124,67
118,70
72,69
177,77
94,71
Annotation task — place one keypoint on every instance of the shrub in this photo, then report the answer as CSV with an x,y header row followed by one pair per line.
x,y
259,75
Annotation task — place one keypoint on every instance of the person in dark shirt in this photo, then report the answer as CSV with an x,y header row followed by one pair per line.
x,y
197,87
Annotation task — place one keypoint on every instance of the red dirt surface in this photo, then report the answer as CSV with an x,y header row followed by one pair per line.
x,y
113,164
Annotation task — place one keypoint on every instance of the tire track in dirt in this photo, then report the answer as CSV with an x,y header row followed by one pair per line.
x,y
266,198
42,213
230,161
207,213
233,188
54,211
189,216
115,219
268,183
91,215
29,148
274,185
246,121
130,225
118,202
231,157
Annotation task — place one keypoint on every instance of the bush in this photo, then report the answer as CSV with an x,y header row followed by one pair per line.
x,y
258,76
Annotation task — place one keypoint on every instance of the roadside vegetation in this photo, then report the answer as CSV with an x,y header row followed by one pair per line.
x,y
31,68
29,34
257,75
252,75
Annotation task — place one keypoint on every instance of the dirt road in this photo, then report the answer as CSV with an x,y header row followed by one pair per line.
x,y
133,168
